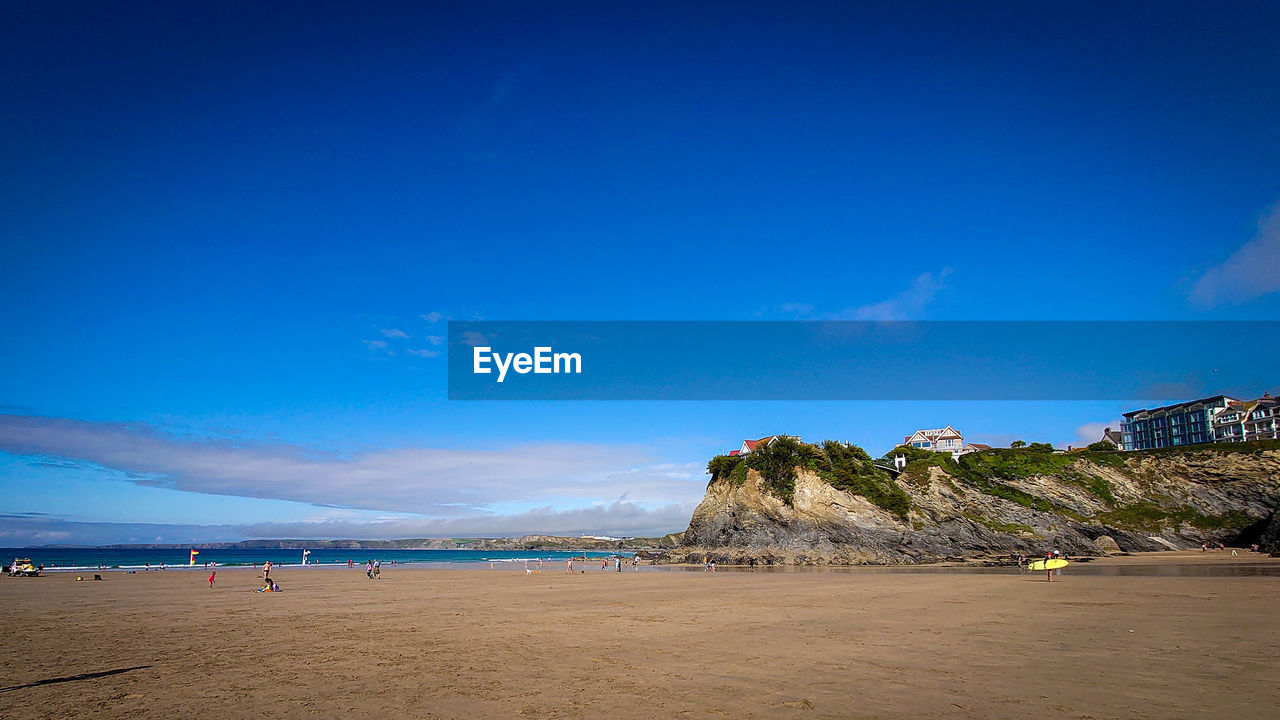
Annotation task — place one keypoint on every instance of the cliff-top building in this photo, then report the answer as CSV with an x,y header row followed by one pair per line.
x,y
1187,423
749,445
1263,422
1114,438
946,439
1249,420
1208,420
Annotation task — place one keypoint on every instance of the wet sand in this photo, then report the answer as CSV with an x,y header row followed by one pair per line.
x,y
658,644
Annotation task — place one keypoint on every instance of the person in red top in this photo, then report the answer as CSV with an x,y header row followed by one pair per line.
x,y
215,572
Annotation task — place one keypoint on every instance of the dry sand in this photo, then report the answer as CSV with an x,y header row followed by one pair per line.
x,y
652,644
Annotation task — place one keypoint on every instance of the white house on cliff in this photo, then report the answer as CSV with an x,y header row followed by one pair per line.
x,y
946,439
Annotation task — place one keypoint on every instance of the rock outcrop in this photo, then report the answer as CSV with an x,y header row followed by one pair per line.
x,y
1006,503
1270,540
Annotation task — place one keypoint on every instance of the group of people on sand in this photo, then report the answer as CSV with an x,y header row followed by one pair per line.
x,y
268,585
373,569
604,563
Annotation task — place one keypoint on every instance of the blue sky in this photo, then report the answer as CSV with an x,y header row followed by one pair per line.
x,y
231,234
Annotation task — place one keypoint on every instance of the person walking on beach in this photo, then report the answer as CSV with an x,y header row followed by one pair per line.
x,y
211,576
377,569
1048,574
368,569
568,565
266,570
617,563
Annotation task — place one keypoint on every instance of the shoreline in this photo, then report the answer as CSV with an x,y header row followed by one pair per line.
x,y
976,565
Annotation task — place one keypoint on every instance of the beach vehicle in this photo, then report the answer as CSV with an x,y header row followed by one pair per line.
x,y
23,566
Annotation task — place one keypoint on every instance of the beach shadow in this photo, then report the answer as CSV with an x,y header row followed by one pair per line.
x,y
72,678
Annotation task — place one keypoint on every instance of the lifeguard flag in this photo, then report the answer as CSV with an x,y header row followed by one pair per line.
x,y
194,553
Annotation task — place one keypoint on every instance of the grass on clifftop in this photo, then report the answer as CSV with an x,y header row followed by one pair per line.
x,y
844,466
1252,447
984,471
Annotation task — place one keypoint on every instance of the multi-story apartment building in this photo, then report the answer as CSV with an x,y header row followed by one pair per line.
x,y
1188,423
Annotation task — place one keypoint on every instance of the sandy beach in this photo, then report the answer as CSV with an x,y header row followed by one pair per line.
x,y
474,643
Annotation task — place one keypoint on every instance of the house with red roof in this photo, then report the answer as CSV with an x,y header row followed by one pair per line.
x,y
749,445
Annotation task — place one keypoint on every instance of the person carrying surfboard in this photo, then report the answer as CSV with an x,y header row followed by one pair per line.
x,y
1049,564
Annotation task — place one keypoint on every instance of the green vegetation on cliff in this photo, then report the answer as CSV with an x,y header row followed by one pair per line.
x,y
985,470
849,468
989,470
844,466
721,466
1253,447
1146,515
996,472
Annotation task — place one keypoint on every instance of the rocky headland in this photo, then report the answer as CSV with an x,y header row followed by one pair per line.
x,y
798,503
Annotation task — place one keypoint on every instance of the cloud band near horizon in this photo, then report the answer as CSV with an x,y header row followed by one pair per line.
x,y
570,487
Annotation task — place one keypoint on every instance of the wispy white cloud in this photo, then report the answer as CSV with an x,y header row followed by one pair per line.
x,y
424,353
1092,432
437,482
799,309
906,305
502,88
434,317
394,333
1252,271
435,339
378,348
909,304
615,518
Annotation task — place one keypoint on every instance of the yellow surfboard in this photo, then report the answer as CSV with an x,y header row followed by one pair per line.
x,y
1048,564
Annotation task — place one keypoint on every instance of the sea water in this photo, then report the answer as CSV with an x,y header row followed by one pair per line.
x,y
124,559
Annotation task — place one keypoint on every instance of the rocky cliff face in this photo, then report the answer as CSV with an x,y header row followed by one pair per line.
x,y
999,505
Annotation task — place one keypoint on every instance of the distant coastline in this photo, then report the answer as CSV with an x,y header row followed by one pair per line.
x,y
525,542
